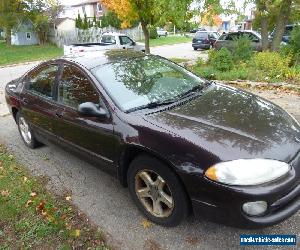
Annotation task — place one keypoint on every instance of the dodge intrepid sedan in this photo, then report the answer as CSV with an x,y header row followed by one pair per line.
x,y
180,143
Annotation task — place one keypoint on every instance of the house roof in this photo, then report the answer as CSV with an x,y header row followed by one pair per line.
x,y
83,2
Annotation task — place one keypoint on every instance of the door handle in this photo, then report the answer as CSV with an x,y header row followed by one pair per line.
x,y
59,115
25,101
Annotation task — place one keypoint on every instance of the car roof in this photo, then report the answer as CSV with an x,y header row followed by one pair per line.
x,y
97,58
113,34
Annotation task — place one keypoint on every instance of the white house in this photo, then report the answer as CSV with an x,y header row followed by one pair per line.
x,y
90,8
64,24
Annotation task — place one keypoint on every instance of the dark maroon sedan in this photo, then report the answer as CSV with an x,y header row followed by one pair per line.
x,y
179,142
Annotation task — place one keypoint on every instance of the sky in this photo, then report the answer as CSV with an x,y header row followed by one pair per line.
x,y
239,3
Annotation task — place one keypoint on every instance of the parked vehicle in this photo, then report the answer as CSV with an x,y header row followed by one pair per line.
x,y
161,32
204,40
198,29
287,33
228,40
108,41
179,142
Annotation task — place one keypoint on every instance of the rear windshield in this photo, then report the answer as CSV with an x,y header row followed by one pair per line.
x,y
201,35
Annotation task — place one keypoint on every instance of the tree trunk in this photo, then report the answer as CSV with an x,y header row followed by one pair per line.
x,y
281,21
264,33
147,36
262,9
8,36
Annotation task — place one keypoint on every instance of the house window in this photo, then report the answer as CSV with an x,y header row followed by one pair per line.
x,y
99,7
28,35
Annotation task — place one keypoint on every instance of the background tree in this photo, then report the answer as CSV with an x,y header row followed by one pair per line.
x,y
148,12
273,15
11,11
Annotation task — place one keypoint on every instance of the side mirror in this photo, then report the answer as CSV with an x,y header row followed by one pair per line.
x,y
256,40
91,109
133,43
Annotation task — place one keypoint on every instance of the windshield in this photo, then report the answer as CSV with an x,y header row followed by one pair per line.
x,y
200,35
141,81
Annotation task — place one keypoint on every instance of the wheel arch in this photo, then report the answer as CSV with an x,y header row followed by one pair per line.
x,y
14,112
130,152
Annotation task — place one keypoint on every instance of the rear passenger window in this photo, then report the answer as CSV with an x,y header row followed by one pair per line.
x,y
41,82
75,88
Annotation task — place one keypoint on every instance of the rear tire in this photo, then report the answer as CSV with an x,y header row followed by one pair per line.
x,y
26,132
161,197
195,49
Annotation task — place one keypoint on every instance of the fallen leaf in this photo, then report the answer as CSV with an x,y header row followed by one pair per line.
x,y
25,179
33,194
146,223
68,198
5,193
63,217
68,227
28,203
77,233
44,213
41,206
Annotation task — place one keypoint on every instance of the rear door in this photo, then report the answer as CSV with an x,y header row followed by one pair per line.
x,y
38,99
230,40
89,135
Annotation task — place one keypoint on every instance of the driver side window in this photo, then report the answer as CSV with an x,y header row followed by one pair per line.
x,y
124,40
75,88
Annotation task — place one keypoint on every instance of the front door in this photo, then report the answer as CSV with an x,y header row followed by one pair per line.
x,y
126,42
89,134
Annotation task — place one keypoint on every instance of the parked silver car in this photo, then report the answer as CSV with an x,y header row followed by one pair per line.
x,y
228,40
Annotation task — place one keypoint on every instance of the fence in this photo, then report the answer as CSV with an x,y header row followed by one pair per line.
x,y
92,35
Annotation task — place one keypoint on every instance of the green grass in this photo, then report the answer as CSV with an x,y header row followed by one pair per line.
x,y
19,54
33,218
169,40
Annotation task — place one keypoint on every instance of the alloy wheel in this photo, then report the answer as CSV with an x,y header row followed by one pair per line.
x,y
25,131
154,193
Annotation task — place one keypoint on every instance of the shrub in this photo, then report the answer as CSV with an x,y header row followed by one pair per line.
x,y
295,44
206,72
221,60
272,64
200,62
242,49
153,32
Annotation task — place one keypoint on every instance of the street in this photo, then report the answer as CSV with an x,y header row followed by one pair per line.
x,y
107,204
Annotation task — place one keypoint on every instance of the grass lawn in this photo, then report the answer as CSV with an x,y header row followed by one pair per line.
x,y
33,218
169,40
19,54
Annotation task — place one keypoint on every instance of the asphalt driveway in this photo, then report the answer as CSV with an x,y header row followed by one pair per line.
x,y
109,206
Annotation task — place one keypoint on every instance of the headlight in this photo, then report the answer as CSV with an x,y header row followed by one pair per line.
x,y
247,172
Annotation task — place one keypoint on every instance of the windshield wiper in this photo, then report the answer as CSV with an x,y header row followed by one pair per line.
x,y
152,105
193,90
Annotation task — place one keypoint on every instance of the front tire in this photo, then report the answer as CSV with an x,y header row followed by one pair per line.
x,y
157,191
26,132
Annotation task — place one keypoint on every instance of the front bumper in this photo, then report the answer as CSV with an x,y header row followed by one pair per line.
x,y
223,204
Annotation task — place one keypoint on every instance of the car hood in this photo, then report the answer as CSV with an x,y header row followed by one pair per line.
x,y
232,124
